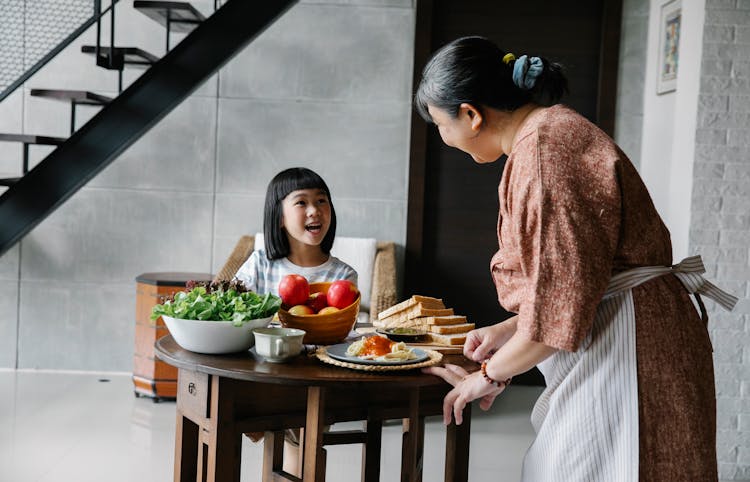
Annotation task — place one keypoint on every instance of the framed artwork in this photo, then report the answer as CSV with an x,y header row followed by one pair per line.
x,y
669,43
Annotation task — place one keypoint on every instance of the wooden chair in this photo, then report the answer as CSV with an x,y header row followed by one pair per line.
x,y
384,284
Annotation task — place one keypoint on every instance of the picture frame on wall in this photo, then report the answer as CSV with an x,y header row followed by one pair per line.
x,y
670,26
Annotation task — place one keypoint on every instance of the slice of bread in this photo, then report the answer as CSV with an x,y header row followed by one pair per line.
x,y
402,318
450,329
443,320
453,339
425,301
425,322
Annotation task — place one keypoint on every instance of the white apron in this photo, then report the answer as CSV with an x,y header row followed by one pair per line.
x,y
586,419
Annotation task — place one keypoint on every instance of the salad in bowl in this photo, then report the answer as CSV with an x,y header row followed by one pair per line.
x,y
216,318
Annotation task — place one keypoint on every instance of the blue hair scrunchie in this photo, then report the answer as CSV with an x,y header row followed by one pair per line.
x,y
526,70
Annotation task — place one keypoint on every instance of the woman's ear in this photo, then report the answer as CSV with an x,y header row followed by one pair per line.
x,y
475,117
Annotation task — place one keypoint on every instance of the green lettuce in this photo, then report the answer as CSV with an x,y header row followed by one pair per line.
x,y
218,303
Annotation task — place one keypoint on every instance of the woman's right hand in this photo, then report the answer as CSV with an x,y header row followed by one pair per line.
x,y
483,342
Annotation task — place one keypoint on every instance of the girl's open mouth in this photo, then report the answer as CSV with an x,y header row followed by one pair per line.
x,y
314,228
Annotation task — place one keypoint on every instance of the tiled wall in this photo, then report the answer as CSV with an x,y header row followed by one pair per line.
x,y
630,80
720,230
327,87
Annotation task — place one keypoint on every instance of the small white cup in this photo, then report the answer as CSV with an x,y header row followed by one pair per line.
x,y
277,345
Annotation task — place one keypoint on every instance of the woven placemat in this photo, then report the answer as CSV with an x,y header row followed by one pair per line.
x,y
434,359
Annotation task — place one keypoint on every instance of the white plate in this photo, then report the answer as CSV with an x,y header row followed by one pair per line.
x,y
338,352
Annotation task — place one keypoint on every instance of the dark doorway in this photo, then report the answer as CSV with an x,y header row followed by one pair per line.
x,y
453,202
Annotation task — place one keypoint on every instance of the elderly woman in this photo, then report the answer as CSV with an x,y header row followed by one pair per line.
x,y
585,261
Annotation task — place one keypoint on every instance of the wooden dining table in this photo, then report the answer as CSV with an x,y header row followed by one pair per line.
x,y
222,397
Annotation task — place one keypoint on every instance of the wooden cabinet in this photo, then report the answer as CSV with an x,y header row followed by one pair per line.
x,y
151,376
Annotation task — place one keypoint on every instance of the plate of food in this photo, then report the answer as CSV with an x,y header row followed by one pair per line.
x,y
377,350
403,334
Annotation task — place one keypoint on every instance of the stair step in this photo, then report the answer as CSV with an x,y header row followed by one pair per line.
x,y
123,55
182,16
32,139
9,181
79,96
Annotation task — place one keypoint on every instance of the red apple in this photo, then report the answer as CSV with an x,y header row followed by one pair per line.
x,y
327,310
341,294
317,301
294,290
299,310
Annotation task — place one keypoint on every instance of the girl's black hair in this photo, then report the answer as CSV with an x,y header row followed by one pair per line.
x,y
472,70
285,182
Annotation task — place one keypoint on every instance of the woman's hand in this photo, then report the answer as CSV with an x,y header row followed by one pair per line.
x,y
467,388
483,342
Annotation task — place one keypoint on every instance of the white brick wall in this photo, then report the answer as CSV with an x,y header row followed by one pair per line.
x,y
720,228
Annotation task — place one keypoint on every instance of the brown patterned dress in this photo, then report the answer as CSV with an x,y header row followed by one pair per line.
x,y
574,212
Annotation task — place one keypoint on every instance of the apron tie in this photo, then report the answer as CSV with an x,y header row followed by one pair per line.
x,y
690,273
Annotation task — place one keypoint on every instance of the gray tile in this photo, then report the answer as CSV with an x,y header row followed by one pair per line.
x,y
364,218
328,52
8,322
628,134
235,216
46,116
77,326
111,236
9,264
635,8
176,154
361,150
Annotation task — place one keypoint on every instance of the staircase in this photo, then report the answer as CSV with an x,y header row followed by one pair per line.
x,y
124,119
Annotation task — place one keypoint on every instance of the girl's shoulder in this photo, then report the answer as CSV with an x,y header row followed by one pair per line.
x,y
261,262
343,270
334,261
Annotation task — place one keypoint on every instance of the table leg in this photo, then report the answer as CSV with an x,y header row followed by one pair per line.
x,y
313,468
186,449
371,448
412,447
457,449
222,441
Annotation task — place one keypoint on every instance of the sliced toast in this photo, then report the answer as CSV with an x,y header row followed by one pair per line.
x,y
425,301
453,339
451,329
402,318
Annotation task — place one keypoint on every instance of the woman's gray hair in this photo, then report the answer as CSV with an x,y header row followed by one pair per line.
x,y
472,70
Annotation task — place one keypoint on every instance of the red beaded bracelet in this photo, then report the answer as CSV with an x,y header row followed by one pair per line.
x,y
503,383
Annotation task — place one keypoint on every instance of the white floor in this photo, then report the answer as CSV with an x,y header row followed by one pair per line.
x,y
65,427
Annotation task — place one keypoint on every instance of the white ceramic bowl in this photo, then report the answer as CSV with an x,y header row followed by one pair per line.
x,y
213,337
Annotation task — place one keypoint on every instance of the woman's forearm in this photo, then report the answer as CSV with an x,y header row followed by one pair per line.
x,y
517,356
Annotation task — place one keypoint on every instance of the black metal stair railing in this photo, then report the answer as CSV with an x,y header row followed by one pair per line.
x,y
127,117
32,34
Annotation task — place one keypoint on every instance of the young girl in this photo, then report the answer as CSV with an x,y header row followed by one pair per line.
x,y
299,226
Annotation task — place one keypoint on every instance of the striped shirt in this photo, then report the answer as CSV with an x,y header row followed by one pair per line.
x,y
263,275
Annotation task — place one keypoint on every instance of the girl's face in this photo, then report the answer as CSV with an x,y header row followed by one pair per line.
x,y
306,216
466,132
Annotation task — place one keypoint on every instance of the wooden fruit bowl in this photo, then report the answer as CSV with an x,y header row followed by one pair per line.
x,y
325,329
